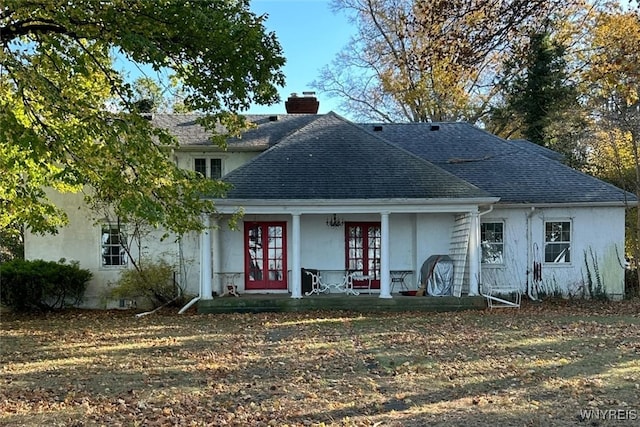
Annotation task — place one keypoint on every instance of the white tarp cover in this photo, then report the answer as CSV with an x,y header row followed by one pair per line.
x,y
436,275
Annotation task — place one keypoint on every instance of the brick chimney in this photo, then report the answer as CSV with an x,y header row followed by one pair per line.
x,y
306,104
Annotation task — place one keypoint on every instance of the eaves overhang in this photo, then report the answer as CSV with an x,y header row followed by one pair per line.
x,y
564,205
343,206
217,149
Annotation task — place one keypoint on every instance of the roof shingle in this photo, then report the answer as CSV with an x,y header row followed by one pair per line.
x,y
268,131
332,158
513,171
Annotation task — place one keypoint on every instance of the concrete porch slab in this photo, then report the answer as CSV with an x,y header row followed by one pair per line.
x,y
257,303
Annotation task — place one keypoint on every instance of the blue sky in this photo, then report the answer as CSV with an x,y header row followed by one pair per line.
x,y
310,35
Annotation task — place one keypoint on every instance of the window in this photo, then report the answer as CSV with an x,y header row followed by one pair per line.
x,y
112,250
209,168
557,241
492,242
363,249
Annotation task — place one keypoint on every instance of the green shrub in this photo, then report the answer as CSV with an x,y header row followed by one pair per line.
x,y
44,285
152,280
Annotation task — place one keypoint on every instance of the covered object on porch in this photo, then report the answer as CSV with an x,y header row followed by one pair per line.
x,y
436,275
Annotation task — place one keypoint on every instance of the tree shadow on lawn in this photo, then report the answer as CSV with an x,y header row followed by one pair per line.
x,y
296,370
550,395
530,376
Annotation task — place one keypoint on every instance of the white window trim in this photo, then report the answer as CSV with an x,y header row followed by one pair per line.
x,y
504,243
208,159
544,243
123,230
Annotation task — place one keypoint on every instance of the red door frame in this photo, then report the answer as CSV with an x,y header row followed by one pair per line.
x,y
265,255
366,247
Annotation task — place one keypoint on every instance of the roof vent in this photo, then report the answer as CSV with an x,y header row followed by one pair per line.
x,y
377,128
273,118
435,127
307,104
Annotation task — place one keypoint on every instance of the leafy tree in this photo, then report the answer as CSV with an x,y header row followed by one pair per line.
x,y
535,94
613,83
149,97
68,120
11,243
540,100
166,96
426,61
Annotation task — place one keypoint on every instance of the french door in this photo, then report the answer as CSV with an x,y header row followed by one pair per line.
x,y
265,255
362,242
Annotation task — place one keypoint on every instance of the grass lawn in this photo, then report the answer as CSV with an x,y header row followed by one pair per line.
x,y
557,363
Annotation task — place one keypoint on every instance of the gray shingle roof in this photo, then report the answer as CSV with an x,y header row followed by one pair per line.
x,y
536,149
332,158
268,131
515,172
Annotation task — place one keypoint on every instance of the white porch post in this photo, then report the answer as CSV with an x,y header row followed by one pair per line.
x,y
205,258
385,278
217,257
474,254
296,279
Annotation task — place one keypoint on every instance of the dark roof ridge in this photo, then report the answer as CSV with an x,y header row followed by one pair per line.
x,y
443,122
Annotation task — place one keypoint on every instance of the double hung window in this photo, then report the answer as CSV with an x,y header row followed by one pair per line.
x,y
492,242
112,241
557,242
208,167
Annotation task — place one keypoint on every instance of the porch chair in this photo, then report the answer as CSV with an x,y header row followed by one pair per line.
x,y
501,296
317,286
360,281
231,289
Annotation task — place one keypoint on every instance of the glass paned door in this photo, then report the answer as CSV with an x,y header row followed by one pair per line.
x,y
265,255
363,250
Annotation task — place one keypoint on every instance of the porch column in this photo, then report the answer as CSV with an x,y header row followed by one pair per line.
x,y
205,258
474,254
296,279
385,278
217,257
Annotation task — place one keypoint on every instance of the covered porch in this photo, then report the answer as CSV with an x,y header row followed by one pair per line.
x,y
407,232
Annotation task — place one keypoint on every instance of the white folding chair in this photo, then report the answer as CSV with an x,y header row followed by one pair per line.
x,y
502,297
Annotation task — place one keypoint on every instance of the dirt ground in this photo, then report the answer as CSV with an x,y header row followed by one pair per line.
x,y
550,364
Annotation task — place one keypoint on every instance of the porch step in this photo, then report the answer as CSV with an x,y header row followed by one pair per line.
x,y
284,303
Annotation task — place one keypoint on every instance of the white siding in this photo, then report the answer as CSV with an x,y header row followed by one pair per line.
x,y
414,237
597,231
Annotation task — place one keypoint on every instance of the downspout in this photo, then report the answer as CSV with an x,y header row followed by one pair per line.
x,y
480,214
529,256
189,304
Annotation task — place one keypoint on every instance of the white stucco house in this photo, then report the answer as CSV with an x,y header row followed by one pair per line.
x,y
320,192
